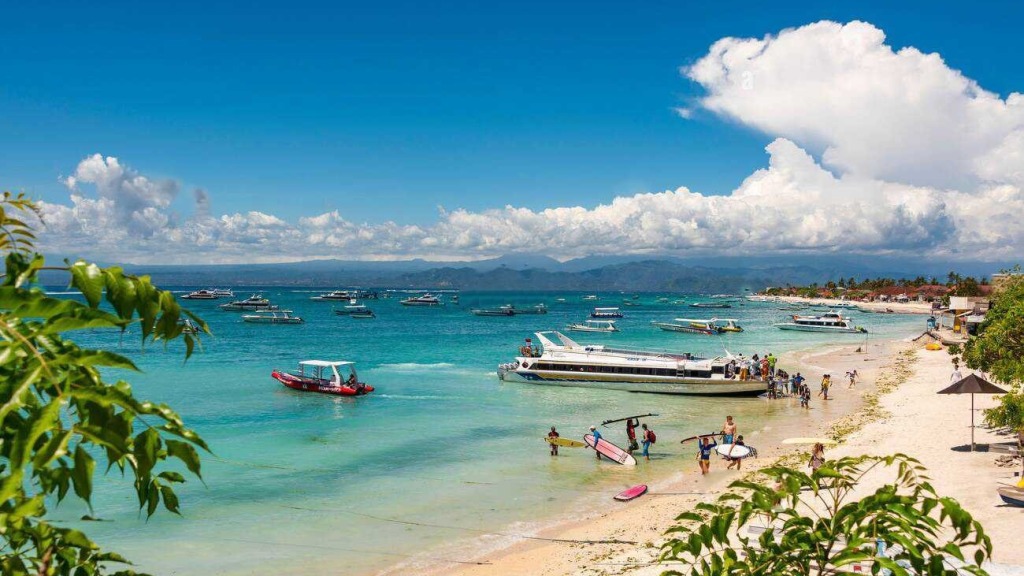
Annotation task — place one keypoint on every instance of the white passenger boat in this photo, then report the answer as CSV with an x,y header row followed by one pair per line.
x,y
828,322
279,317
200,295
604,313
594,326
333,296
591,298
690,326
254,303
222,292
422,300
563,362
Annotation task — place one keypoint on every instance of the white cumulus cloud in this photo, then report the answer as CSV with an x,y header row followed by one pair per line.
x,y
870,150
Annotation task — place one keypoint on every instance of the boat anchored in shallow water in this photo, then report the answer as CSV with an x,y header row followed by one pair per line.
x,y
828,322
324,377
563,362
594,326
279,317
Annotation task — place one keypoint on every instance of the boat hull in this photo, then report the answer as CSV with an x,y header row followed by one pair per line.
x,y
1012,496
317,385
668,327
823,329
653,385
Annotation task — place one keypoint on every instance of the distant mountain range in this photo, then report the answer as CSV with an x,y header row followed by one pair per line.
x,y
521,272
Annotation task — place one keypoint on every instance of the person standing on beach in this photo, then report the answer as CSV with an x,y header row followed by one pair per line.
x,y
728,430
798,384
631,425
826,381
772,360
737,462
649,439
704,454
805,397
553,435
852,375
956,376
597,438
817,457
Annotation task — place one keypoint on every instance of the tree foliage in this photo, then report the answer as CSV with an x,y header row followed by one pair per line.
x,y
813,525
59,418
998,349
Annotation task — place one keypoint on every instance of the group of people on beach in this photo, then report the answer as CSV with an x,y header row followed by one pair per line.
x,y
754,368
705,443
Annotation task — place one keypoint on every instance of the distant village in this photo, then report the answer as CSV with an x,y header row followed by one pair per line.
x,y
900,290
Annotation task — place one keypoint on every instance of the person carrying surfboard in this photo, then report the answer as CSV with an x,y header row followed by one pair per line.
x,y
597,438
631,425
704,454
737,462
554,447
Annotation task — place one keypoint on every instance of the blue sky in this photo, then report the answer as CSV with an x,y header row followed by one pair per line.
x,y
383,111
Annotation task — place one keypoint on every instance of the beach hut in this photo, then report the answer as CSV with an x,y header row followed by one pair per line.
x,y
972,385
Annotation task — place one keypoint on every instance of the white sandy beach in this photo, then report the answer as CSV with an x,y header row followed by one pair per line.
x,y
922,424
896,307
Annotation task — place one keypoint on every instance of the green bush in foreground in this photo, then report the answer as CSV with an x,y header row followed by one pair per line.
x,y
813,525
58,415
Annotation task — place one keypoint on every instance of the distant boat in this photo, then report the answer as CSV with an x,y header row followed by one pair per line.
x,y
506,310
710,305
601,313
690,326
279,317
594,326
538,309
422,300
223,292
355,311
727,324
828,322
200,295
591,298
254,303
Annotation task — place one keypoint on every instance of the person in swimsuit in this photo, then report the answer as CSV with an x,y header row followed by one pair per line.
x,y
737,462
817,457
554,447
704,454
648,435
728,430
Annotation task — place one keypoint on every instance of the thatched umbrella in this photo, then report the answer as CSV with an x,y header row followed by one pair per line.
x,y
973,385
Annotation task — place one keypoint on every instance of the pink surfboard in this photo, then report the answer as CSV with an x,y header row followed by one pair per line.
x,y
611,451
634,492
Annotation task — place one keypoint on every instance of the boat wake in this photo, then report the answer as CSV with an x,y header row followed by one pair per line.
x,y
415,366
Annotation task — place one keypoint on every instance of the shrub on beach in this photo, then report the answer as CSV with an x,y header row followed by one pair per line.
x,y
816,524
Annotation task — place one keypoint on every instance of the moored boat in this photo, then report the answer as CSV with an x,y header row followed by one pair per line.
x,y
254,303
600,313
324,377
563,362
710,305
538,309
1012,495
200,295
727,324
355,311
506,310
223,292
422,300
690,326
829,322
594,326
278,317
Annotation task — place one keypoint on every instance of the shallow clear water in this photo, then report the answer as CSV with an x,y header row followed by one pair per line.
x,y
302,480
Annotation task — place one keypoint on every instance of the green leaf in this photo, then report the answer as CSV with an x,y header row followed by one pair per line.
x,y
81,474
88,278
170,499
186,453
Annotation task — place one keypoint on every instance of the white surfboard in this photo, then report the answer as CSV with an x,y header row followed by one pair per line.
x,y
733,450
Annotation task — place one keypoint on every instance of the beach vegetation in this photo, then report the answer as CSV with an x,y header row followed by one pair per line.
x,y
61,418
825,522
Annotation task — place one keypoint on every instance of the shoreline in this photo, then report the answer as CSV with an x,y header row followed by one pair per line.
x,y
644,521
872,307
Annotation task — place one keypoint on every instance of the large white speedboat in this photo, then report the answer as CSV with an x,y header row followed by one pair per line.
x,y
563,362
279,317
593,326
254,303
422,300
200,295
828,322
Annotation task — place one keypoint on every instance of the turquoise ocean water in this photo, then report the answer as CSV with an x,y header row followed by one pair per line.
x,y
307,483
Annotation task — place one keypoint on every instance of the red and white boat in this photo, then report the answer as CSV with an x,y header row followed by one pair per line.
x,y
325,377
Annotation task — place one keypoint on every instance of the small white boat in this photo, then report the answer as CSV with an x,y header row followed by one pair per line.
x,y
594,326
279,317
603,313
200,295
355,311
333,296
828,322
223,292
422,300
591,298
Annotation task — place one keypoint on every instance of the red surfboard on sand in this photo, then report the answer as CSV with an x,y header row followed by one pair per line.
x,y
634,492
611,451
